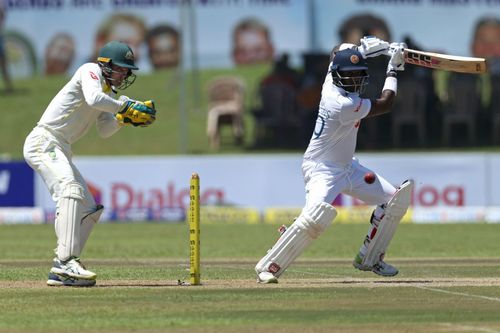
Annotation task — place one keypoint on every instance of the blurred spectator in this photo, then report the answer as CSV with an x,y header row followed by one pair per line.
x,y
164,45
486,38
282,72
59,54
374,132
126,28
3,53
309,94
276,120
486,44
425,78
252,43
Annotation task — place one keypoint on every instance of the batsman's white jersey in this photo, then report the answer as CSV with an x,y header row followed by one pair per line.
x,y
329,167
85,100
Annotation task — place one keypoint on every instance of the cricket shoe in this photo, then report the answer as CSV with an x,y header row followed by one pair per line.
x,y
266,277
55,280
72,268
381,268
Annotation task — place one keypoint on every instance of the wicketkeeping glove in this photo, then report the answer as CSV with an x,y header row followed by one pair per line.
x,y
137,113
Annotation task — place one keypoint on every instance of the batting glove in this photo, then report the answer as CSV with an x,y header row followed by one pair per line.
x,y
372,46
397,61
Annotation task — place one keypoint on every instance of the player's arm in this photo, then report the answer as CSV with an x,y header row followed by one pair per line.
x,y
384,103
107,124
93,91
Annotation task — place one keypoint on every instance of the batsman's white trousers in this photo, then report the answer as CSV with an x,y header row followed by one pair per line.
x,y
324,182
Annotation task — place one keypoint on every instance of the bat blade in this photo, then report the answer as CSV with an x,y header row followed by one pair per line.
x,y
445,62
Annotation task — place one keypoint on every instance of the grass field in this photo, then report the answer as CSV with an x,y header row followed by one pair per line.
x,y
449,281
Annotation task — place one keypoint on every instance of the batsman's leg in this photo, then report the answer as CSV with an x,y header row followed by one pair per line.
x,y
312,222
384,222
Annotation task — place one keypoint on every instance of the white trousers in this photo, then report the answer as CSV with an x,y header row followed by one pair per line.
x,y
51,158
323,183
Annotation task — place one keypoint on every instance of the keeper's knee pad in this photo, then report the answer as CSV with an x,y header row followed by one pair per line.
x,y
69,214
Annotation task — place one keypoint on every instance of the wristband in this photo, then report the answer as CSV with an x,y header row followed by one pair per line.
x,y
391,83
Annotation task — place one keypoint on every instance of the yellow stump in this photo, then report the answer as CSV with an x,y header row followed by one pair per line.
x,y
194,230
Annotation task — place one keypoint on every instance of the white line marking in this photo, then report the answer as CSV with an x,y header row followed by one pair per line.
x,y
454,327
495,299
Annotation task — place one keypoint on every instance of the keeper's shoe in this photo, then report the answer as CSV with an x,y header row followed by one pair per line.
x,y
55,280
381,268
72,268
266,277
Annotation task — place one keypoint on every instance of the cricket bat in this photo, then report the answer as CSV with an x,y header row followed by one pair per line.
x,y
445,62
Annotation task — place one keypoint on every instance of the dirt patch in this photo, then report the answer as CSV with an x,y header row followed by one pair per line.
x,y
284,283
323,281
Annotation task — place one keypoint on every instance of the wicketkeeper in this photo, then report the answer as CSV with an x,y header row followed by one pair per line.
x,y
329,167
88,98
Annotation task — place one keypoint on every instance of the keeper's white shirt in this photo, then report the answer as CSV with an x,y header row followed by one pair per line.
x,y
85,100
333,141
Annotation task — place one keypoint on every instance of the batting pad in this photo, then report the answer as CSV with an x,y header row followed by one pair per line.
x,y
87,225
67,224
395,210
312,222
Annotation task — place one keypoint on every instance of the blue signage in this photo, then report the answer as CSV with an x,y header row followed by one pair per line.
x,y
16,185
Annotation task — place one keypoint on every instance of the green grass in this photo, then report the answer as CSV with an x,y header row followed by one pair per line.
x,y
33,95
449,282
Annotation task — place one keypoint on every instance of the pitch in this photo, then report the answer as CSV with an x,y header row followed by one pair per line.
x,y
449,282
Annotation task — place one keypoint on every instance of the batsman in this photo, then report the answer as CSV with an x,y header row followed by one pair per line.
x,y
330,168
88,98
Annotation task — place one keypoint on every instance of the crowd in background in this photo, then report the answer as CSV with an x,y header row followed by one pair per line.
x,y
433,108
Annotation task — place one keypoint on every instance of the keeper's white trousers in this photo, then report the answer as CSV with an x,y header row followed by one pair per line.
x,y
51,157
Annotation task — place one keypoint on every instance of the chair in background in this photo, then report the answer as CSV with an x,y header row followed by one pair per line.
x,y
410,109
276,119
464,103
226,97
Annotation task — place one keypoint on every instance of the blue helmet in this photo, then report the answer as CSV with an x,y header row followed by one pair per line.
x,y
349,70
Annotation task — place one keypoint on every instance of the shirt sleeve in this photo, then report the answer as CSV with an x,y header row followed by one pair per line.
x,y
93,91
107,125
354,108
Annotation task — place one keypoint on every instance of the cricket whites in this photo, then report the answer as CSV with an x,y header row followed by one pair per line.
x,y
194,230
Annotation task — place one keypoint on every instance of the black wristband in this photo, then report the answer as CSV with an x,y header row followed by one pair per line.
x,y
392,74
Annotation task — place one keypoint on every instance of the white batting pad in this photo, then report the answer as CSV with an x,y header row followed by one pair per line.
x,y
309,225
67,224
395,210
87,225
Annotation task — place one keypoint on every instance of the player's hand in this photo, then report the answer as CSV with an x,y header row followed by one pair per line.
x,y
371,46
137,113
397,61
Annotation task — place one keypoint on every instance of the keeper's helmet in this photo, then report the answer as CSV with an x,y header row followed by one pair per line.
x,y
349,70
115,54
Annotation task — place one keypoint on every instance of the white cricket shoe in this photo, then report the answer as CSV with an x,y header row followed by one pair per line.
x,y
266,277
55,280
72,268
384,269
381,268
